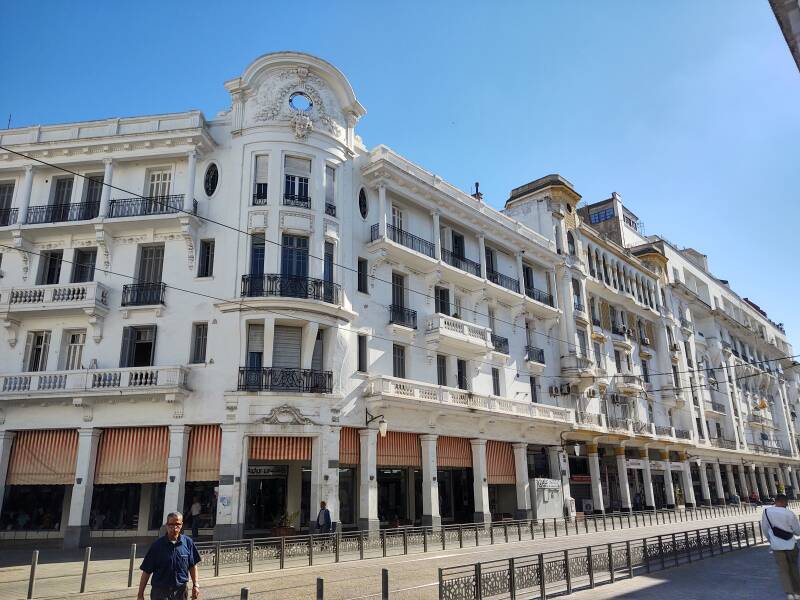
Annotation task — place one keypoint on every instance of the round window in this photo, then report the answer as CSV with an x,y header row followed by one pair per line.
x,y
211,179
299,101
362,203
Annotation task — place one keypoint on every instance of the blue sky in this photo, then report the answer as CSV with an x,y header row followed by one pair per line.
x,y
690,110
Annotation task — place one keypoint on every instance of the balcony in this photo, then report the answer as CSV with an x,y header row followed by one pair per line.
x,y
617,329
275,379
534,355
619,424
457,336
504,281
260,195
400,315
297,201
715,406
760,420
94,382
90,298
628,384
290,286
540,296
642,428
683,434
461,263
500,343
146,206
8,216
330,209
720,442
664,430
419,394
60,213
404,247
577,369
143,294
590,420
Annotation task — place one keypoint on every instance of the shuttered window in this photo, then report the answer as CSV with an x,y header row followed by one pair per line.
x,y
158,183
261,178
37,346
138,346
330,185
288,342
255,346
73,349
297,166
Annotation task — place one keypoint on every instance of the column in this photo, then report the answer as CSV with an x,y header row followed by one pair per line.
x,y
310,330
368,480
191,169
482,255
731,480
523,483
597,484
773,489
668,487
105,194
325,473
430,485
718,482
762,480
520,273
706,491
381,210
480,482
795,482
622,475
176,469
559,463
77,532
647,479
753,481
437,235
688,487
6,441
25,196
744,487
781,479
232,483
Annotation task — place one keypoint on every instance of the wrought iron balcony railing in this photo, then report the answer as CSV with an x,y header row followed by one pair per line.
x,y
143,294
400,315
59,213
278,379
683,434
503,280
534,354
663,430
330,209
579,306
290,286
404,238
459,262
296,200
150,205
539,296
500,343
8,216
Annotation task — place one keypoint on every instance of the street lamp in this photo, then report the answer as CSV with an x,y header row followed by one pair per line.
x,y
383,426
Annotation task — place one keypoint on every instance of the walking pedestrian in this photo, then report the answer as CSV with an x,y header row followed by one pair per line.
x,y
781,526
323,518
171,560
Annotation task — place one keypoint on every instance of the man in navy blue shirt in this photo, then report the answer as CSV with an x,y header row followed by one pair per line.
x,y
171,560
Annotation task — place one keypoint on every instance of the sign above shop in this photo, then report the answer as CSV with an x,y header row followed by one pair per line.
x,y
263,471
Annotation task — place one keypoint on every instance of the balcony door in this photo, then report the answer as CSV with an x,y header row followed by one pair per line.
x,y
458,245
442,296
158,183
74,341
151,263
138,346
294,266
397,218
286,373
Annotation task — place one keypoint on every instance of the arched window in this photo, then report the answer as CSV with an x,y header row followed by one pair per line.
x,y
571,243
363,206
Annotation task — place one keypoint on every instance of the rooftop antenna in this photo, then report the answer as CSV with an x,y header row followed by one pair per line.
x,y
8,126
477,195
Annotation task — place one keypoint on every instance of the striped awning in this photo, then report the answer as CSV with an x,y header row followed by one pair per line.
x,y
280,448
500,463
202,462
349,446
43,457
132,455
399,449
453,452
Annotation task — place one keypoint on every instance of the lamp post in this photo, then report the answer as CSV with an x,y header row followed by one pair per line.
x,y
383,426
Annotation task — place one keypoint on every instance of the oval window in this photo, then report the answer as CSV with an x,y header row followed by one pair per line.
x,y
211,179
299,101
362,203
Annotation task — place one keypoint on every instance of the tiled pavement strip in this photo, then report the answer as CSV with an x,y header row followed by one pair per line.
x,y
412,576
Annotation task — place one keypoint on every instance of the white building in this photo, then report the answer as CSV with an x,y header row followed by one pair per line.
x,y
233,309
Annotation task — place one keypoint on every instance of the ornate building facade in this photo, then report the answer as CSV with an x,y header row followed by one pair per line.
x,y
258,313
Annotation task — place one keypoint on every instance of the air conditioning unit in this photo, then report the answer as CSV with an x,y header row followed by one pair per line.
x,y
553,390
646,341
591,393
565,389
675,348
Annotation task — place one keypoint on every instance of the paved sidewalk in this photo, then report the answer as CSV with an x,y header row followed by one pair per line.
x,y
740,575
411,577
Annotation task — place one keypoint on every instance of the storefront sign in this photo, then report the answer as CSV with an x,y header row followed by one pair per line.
x,y
634,463
658,465
548,484
267,471
676,466
581,479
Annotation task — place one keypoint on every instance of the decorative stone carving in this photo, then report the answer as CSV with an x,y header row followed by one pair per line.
x,y
187,231
286,415
12,329
102,244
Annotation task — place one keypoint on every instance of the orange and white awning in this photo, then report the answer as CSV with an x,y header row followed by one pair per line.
x,y
202,463
399,449
349,446
500,463
280,448
453,452
43,457
132,455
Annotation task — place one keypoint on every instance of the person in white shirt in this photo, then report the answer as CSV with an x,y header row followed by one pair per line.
x,y
194,512
780,525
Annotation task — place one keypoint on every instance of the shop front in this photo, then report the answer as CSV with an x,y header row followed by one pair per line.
x,y
502,480
454,477
399,477
202,477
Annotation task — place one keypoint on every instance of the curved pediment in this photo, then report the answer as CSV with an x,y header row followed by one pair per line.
x,y
298,90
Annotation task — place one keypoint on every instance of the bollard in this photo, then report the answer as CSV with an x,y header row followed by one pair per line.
x,y
361,544
310,550
646,555
512,580
384,584
542,580
281,564
424,539
590,565
688,548
251,556
491,533
244,594
405,542
567,572
661,552
629,558
611,564
336,539
444,539
383,542
130,565
87,556
478,582
675,550
216,558
555,527
505,532
460,536
32,580
586,524
320,589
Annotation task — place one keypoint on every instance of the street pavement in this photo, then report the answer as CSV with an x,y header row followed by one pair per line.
x,y
411,577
